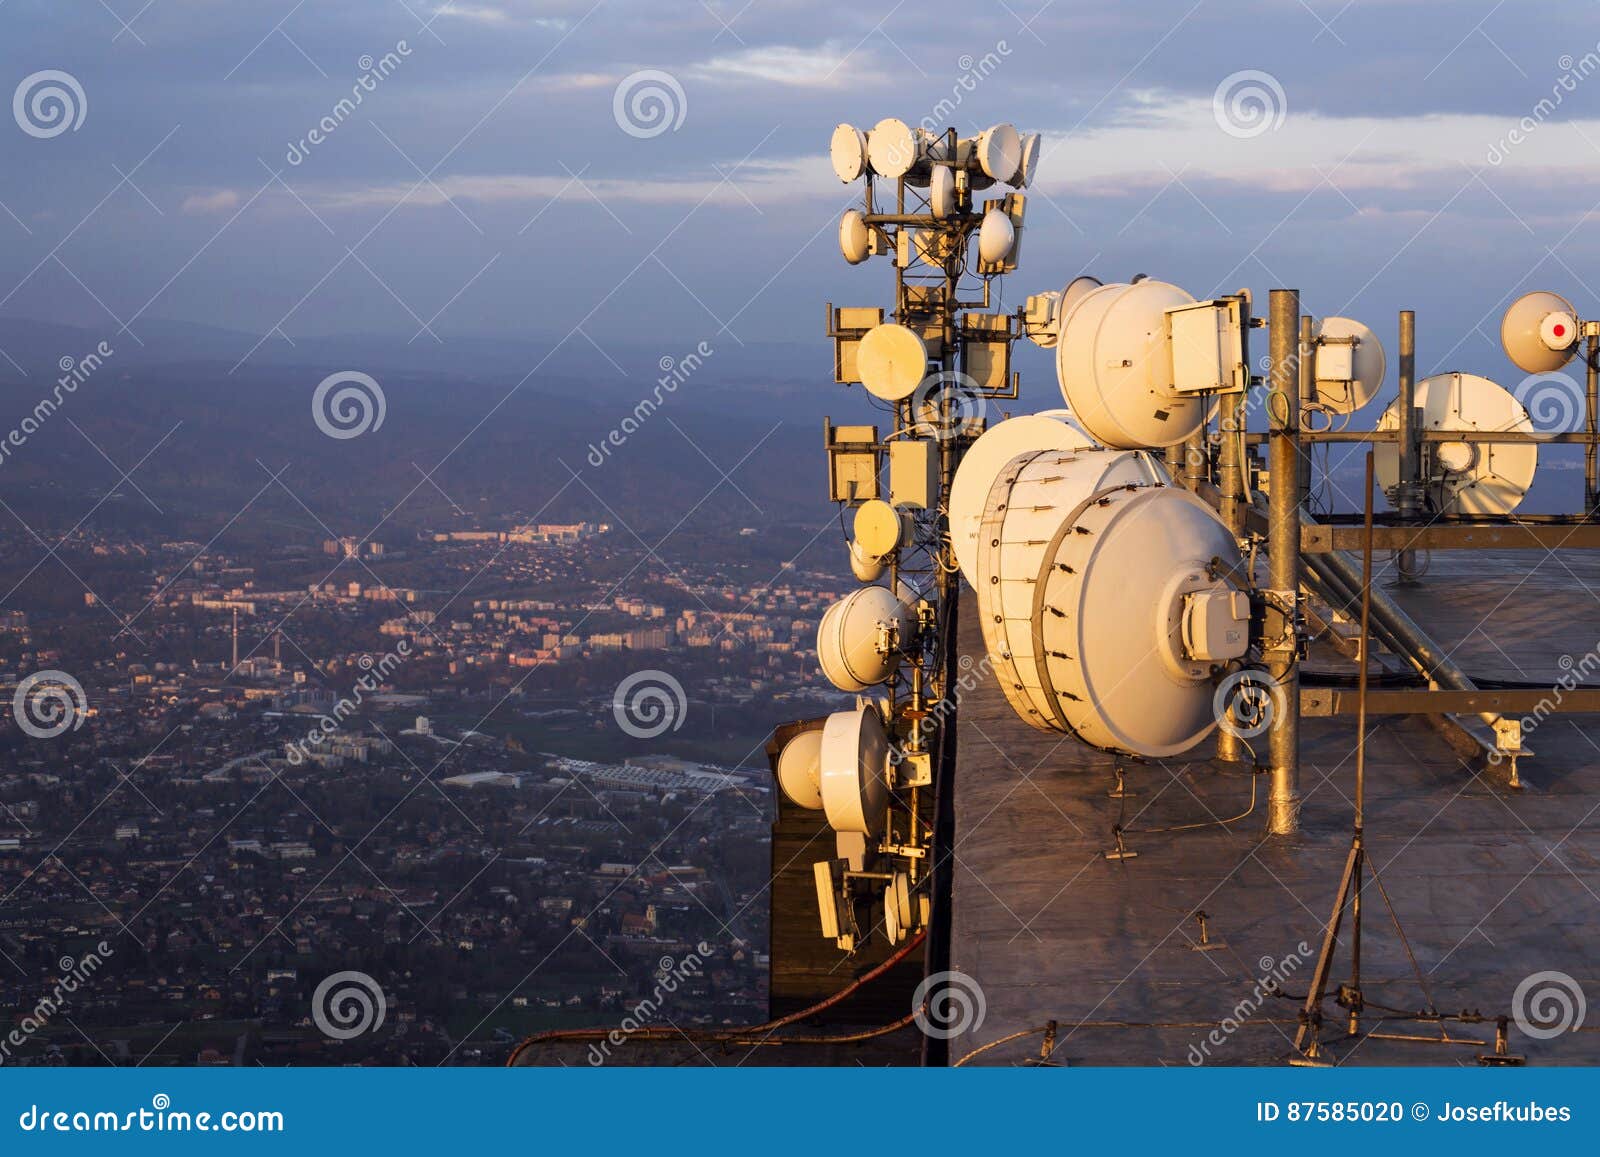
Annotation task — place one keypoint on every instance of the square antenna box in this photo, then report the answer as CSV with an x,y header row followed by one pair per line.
x,y
852,462
847,326
986,350
913,474
924,306
1206,341
1335,360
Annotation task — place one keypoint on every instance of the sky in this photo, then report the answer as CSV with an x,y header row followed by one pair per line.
x,y
498,178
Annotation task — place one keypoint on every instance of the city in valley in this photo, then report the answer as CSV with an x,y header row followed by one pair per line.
x,y
504,773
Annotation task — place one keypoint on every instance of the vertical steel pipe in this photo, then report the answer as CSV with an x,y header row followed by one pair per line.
x,y
1308,390
1408,493
1195,470
1591,405
1283,548
1230,487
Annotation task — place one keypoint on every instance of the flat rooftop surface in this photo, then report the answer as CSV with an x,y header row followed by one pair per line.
x,y
1490,886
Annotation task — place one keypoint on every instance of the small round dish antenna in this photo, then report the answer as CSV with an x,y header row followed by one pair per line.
x,y
999,152
1075,289
1030,162
1540,332
854,761
1349,365
881,529
1115,369
996,236
867,568
800,770
892,361
848,151
855,237
942,191
1474,478
857,639
893,148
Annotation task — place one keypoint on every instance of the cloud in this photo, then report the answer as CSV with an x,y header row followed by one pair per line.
x,y
829,65
206,204
754,181
496,15
1161,135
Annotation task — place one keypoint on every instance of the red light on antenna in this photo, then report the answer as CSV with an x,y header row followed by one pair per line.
x,y
1560,330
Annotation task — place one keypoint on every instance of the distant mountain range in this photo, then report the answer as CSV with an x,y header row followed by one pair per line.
x,y
510,421
648,430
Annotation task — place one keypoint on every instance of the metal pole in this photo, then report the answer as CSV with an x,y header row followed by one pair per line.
x,y
1408,495
1591,484
1359,839
1283,547
1308,389
1195,466
1230,484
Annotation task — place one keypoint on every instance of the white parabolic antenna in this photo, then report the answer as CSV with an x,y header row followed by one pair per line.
x,y
996,236
848,152
1539,332
851,633
800,769
1480,478
1089,467
866,567
854,762
881,528
942,191
1090,608
1030,162
1115,369
1075,289
999,151
855,237
892,361
893,148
